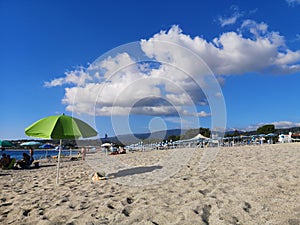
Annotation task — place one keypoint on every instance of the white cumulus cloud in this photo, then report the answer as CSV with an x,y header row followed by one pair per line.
x,y
285,124
277,124
76,77
178,74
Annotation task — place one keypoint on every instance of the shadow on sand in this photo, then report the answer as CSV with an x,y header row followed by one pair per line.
x,y
4,174
135,170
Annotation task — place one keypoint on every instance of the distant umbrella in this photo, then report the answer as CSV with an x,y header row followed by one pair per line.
x,y
31,143
106,145
60,127
47,146
5,144
199,136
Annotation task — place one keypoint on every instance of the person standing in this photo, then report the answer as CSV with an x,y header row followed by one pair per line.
x,y
31,155
83,153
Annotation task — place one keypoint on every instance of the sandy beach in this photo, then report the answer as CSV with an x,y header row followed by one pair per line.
x,y
243,185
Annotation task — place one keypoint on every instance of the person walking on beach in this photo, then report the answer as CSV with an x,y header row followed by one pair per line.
x,y
83,153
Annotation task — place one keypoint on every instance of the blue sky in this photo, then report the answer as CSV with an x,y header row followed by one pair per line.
x,y
47,47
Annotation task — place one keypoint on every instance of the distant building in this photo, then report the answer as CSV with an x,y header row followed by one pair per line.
x,y
295,137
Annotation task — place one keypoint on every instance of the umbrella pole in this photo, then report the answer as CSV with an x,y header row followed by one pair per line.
x,y
58,161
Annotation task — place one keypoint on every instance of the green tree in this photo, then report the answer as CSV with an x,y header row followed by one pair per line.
x,y
190,133
236,133
173,138
266,129
205,131
193,132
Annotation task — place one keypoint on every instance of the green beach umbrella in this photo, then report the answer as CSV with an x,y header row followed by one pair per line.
x,y
5,144
60,127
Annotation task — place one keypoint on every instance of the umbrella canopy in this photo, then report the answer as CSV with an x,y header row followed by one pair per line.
x,y
199,136
31,143
47,146
106,145
5,144
60,127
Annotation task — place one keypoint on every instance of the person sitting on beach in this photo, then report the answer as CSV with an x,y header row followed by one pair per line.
x,y
8,159
25,162
2,159
122,151
4,162
9,163
31,155
114,153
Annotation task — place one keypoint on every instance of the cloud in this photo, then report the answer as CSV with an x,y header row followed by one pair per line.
x,y
75,77
257,29
232,19
228,21
185,123
231,53
177,74
203,114
126,87
293,2
277,124
285,124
